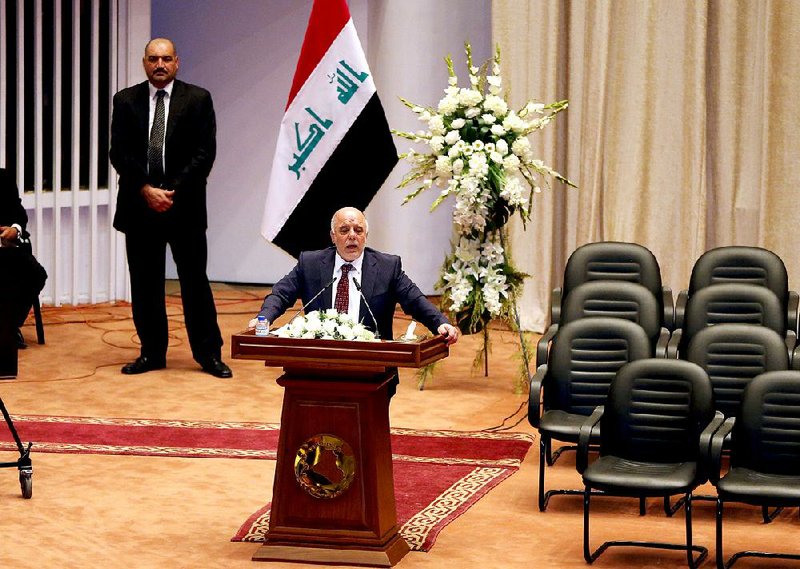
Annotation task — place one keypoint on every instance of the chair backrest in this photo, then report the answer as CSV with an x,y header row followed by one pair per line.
x,y
766,435
656,410
585,357
748,265
613,261
732,355
732,303
617,299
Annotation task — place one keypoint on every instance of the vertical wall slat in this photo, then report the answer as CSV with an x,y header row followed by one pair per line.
x,y
3,84
56,271
20,79
113,255
76,149
38,125
94,123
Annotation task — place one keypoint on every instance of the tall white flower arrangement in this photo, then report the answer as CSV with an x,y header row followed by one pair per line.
x,y
477,150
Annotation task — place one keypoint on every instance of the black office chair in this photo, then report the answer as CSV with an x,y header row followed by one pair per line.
x,y
658,414
765,454
25,243
614,261
747,265
618,299
732,303
584,358
732,355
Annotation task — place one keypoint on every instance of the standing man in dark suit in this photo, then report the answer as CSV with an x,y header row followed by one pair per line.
x,y
379,275
163,144
25,276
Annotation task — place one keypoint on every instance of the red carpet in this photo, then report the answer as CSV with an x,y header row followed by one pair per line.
x,y
438,475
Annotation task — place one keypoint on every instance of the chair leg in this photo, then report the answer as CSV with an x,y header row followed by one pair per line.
x,y
542,459
769,516
693,563
720,555
548,451
670,510
587,555
37,314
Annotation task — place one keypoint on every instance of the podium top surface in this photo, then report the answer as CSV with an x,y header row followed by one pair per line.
x,y
294,352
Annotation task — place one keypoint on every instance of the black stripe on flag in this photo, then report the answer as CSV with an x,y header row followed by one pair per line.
x,y
351,177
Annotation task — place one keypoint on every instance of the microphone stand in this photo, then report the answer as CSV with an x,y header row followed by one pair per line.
x,y
358,288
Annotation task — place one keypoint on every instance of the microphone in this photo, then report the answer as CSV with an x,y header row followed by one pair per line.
x,y
313,298
358,288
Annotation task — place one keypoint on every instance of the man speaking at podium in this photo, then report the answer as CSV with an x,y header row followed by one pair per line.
x,y
356,279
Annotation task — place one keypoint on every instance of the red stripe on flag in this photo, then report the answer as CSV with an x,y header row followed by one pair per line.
x,y
327,19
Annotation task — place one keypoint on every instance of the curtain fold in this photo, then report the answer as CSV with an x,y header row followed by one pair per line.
x,y
682,131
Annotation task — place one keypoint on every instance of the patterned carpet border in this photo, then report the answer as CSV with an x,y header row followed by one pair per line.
x,y
419,528
245,440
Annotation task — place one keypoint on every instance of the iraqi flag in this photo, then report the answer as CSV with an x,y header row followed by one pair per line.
x,y
334,147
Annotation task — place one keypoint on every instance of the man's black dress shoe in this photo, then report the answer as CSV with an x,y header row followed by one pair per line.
x,y
216,367
143,364
21,345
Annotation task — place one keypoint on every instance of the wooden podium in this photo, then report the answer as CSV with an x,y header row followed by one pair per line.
x,y
333,494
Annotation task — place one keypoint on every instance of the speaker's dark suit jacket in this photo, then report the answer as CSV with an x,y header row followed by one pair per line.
x,y
189,151
383,283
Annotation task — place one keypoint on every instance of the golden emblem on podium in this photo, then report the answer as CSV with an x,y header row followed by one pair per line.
x,y
324,466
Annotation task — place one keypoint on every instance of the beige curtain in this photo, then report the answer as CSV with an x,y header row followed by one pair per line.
x,y
682,131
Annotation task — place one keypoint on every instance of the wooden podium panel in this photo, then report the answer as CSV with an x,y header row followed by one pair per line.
x,y
333,494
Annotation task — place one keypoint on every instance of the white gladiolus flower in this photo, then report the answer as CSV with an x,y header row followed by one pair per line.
x,y
469,97
436,143
452,81
511,162
443,165
436,125
425,116
448,105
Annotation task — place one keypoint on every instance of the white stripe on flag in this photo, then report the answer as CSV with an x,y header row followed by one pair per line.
x,y
322,112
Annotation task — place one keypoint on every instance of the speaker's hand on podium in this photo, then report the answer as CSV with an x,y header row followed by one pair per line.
x,y
450,332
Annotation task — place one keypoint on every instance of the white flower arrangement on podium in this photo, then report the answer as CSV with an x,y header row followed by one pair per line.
x,y
477,150
326,325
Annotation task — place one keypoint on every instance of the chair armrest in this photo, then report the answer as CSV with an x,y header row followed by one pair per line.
x,y
662,343
585,436
535,396
555,306
713,451
669,308
791,341
544,343
680,307
792,316
674,342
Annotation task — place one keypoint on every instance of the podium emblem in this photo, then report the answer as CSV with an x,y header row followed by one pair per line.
x,y
324,466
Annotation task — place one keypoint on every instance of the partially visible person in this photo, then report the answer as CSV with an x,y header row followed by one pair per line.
x,y
163,145
23,276
380,276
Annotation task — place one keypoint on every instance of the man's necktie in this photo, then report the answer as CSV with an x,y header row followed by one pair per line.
x,y
343,291
155,152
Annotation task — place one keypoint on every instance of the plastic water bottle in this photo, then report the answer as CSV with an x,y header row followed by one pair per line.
x,y
261,326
